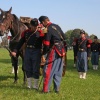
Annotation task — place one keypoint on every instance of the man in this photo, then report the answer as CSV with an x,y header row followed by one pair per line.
x,y
95,49
32,58
83,51
54,47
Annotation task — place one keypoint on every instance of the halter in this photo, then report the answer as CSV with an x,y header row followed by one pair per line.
x,y
7,23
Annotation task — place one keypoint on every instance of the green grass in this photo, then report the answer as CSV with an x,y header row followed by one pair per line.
x,y
72,88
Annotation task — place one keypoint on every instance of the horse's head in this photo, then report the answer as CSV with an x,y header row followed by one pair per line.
x,y
5,21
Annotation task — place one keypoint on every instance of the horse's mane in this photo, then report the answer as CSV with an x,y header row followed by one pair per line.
x,y
16,18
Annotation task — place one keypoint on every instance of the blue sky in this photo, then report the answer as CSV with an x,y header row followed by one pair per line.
x,y
69,14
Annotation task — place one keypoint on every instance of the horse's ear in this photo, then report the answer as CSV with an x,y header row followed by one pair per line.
x,y
1,10
10,9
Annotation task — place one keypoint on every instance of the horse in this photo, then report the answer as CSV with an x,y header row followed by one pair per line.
x,y
10,22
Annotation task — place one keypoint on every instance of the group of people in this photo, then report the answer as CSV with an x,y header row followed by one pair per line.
x,y
48,40
84,49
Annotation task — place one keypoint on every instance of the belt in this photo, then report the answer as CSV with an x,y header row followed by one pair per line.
x,y
30,46
58,43
81,49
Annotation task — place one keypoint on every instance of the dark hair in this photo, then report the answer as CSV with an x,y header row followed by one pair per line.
x,y
42,18
34,22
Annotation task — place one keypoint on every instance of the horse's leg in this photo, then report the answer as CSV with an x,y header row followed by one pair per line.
x,y
12,61
75,60
15,68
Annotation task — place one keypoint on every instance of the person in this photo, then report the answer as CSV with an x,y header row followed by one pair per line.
x,y
95,49
83,46
89,55
33,39
54,45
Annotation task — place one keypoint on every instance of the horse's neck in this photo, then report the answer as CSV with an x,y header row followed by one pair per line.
x,y
16,29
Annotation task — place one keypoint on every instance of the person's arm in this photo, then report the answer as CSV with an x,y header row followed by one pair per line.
x,y
63,36
89,42
46,42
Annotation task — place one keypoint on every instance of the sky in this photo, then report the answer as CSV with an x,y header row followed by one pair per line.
x,y
68,14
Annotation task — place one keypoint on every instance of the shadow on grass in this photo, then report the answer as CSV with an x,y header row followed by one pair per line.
x,y
16,87
5,60
8,60
2,78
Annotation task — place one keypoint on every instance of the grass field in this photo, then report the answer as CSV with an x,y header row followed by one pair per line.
x,y
72,88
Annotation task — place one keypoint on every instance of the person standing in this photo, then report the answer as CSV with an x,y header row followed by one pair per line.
x,y
55,47
33,39
95,49
83,51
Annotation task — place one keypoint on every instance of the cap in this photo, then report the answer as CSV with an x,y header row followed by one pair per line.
x,y
82,32
42,18
95,37
34,22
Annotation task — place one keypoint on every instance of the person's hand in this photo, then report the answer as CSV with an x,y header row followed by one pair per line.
x,y
13,54
63,73
88,58
43,59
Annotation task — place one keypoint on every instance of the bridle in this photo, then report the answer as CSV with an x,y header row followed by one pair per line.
x,y
8,24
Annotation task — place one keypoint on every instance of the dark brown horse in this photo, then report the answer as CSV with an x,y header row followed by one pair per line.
x,y
10,22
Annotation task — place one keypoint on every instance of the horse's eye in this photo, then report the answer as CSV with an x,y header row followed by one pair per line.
x,y
3,16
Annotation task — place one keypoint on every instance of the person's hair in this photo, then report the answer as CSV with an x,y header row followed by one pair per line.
x,y
34,22
47,19
43,18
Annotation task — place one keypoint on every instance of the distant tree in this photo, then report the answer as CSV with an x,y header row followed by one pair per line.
x,y
99,40
71,34
92,36
68,37
75,34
